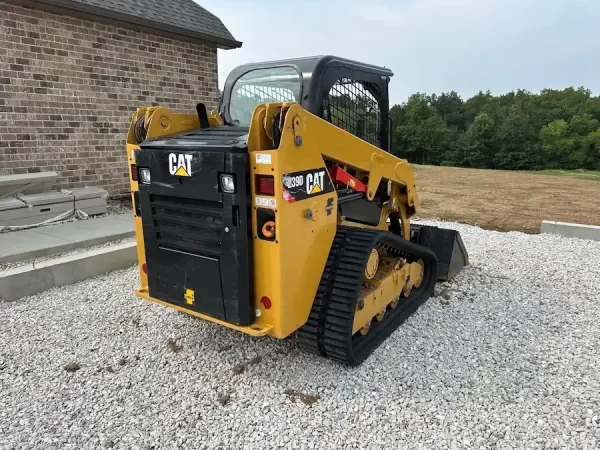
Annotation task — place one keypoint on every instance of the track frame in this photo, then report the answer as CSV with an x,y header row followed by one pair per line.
x,y
329,329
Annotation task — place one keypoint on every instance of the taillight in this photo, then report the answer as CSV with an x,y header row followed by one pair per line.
x,y
266,301
145,268
134,175
265,185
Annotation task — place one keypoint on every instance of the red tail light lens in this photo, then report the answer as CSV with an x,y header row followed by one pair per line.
x,y
134,174
266,301
145,268
265,185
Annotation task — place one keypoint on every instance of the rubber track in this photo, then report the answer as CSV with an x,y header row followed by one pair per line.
x,y
328,331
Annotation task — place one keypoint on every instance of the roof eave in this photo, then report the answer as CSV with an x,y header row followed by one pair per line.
x,y
220,42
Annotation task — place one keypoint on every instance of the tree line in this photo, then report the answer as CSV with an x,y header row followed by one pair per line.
x,y
555,129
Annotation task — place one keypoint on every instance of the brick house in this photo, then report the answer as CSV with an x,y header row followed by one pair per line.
x,y
72,73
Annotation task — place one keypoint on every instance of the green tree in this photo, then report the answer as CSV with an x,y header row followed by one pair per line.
x,y
479,142
592,144
516,130
476,104
580,127
557,144
592,106
451,108
422,135
517,140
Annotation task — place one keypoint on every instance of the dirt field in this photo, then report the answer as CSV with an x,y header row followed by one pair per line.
x,y
503,200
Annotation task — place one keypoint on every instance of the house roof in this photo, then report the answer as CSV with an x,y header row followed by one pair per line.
x,y
184,17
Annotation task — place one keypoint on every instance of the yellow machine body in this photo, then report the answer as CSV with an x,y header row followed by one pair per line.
x,y
295,256
289,271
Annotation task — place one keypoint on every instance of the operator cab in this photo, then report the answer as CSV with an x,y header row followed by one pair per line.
x,y
351,95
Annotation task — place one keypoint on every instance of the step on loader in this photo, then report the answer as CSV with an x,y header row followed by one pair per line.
x,y
284,211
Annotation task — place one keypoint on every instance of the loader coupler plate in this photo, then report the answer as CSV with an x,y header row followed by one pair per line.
x,y
446,244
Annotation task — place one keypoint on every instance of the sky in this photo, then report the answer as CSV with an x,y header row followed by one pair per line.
x,y
432,46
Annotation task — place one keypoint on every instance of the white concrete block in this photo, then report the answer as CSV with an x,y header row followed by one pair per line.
x,y
548,226
571,230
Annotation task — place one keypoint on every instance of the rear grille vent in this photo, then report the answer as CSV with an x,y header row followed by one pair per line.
x,y
187,225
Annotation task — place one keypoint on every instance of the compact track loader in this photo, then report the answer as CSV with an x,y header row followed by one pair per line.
x,y
284,211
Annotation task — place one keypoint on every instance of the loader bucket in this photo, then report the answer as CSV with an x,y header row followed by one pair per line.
x,y
446,244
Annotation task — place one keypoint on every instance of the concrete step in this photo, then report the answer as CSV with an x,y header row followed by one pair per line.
x,y
32,279
27,183
27,244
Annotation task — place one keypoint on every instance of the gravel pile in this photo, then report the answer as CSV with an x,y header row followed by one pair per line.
x,y
122,206
505,356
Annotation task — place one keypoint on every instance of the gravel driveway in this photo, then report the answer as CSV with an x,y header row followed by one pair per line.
x,y
505,356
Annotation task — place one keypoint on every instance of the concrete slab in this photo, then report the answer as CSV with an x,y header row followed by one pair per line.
x,y
124,218
27,183
11,203
27,244
89,229
90,200
35,213
43,241
29,280
572,230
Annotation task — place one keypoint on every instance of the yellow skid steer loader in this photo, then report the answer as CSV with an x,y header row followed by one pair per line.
x,y
284,211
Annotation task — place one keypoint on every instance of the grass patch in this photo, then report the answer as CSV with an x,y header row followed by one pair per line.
x,y
580,173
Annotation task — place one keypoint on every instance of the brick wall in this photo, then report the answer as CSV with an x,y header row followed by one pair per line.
x,y
68,88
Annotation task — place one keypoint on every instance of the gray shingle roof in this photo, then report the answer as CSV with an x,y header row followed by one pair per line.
x,y
183,17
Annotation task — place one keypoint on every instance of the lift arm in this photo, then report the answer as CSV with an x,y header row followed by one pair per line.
x,y
302,131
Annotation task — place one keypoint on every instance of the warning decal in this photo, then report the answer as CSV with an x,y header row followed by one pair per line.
x,y
268,202
263,158
305,184
189,296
